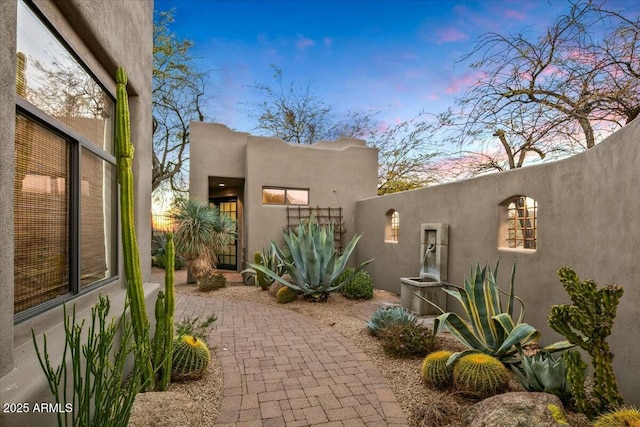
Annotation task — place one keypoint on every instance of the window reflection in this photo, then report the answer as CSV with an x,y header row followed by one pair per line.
x,y
50,78
285,196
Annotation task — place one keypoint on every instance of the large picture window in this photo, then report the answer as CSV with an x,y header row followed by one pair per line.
x,y
65,175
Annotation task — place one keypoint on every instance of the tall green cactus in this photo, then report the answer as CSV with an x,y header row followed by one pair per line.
x,y
169,311
133,274
587,323
261,280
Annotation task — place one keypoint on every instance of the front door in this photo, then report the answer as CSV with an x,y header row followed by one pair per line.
x,y
228,259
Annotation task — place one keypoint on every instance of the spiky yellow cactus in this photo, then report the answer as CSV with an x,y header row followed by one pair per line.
x,y
435,372
133,274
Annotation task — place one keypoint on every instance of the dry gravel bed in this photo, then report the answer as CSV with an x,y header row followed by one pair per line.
x,y
402,375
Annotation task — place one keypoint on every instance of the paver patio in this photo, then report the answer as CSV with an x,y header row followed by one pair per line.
x,y
282,368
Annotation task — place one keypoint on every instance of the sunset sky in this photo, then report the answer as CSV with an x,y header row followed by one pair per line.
x,y
396,57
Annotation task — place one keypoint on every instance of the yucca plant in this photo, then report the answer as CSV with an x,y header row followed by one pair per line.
x,y
313,261
201,233
489,328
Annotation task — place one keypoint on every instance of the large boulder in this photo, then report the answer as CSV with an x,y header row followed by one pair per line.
x,y
161,409
518,409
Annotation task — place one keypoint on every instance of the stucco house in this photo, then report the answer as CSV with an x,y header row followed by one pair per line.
x,y
58,188
267,184
580,212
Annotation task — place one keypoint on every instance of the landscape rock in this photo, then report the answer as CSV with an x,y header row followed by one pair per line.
x,y
517,409
161,409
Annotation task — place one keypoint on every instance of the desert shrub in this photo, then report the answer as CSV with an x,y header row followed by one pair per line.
x,y
191,326
359,287
212,282
407,340
385,317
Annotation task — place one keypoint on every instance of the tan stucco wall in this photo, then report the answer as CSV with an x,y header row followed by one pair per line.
x,y
588,209
105,35
336,173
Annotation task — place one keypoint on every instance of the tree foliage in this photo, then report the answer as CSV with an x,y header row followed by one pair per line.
x,y
553,93
178,99
291,113
297,115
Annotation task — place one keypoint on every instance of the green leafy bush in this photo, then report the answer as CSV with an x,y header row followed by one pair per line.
x,y
359,287
407,340
383,318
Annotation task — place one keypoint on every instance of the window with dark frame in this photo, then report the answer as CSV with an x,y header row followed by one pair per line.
x,y
522,223
65,188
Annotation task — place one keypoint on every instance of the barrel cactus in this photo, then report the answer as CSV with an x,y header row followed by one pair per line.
x,y
435,372
190,358
479,375
622,417
359,287
286,295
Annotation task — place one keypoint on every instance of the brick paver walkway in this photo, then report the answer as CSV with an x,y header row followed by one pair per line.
x,y
282,368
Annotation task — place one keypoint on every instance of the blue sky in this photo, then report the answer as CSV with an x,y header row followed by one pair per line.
x,y
396,57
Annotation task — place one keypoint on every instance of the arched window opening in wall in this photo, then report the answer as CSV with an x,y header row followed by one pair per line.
x,y
520,223
392,226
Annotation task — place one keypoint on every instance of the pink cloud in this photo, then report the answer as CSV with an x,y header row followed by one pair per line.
x,y
514,14
460,83
328,42
304,43
451,35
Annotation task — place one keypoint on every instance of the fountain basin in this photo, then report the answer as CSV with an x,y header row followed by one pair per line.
x,y
426,287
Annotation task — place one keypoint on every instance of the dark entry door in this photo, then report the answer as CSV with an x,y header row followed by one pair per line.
x,y
228,259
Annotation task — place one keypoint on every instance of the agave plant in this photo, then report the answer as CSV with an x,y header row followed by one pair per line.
x,y
269,259
383,318
489,329
313,262
544,372
201,233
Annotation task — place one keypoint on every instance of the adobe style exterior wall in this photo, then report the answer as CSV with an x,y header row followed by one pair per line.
x,y
337,173
105,35
588,209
